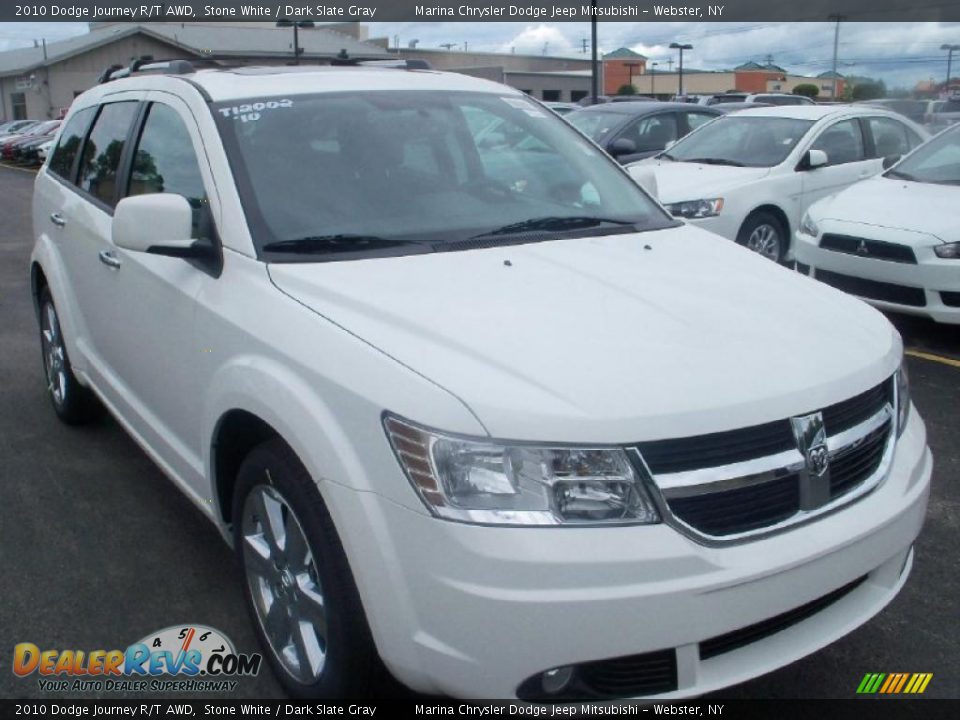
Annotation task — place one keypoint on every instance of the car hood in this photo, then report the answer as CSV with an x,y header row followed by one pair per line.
x,y
608,339
919,208
679,181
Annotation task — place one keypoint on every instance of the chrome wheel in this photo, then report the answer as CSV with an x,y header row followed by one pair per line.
x,y
765,239
284,584
54,354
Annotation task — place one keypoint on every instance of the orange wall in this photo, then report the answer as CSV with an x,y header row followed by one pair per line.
x,y
616,73
754,81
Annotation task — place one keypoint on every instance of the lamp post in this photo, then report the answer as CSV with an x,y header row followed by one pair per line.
x,y
949,49
296,25
681,47
594,78
652,75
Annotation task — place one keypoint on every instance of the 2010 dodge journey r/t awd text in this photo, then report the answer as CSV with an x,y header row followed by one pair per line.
x,y
465,400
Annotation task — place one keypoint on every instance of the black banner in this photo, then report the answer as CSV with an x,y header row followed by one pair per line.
x,y
387,710
481,10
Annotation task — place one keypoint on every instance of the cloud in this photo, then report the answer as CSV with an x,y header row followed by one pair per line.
x,y
538,39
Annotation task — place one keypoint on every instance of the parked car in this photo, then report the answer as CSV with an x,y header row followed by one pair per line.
x,y
561,108
729,107
942,113
602,99
44,149
503,434
26,151
18,127
916,110
750,176
633,131
30,133
894,240
750,98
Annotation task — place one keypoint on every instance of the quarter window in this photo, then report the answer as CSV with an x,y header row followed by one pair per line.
x,y
63,158
842,142
104,147
889,136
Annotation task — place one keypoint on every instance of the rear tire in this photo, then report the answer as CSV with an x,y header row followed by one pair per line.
x,y
298,585
764,233
73,403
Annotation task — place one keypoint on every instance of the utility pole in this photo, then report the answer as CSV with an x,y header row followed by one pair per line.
x,y
949,49
652,76
583,45
670,62
836,44
593,53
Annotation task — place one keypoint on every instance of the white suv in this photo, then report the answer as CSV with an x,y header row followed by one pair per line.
x,y
464,399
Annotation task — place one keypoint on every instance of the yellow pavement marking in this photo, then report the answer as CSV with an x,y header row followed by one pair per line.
x,y
933,358
32,171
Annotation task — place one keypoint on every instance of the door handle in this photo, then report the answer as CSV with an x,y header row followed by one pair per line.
x,y
58,219
109,259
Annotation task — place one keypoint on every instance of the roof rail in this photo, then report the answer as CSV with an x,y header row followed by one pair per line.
x,y
398,64
145,64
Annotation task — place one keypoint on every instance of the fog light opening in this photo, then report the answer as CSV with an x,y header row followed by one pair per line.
x,y
557,680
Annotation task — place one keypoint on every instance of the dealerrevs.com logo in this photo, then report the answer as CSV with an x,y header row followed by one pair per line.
x,y
180,658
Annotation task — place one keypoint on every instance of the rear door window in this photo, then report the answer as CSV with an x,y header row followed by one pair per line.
x,y
103,150
64,157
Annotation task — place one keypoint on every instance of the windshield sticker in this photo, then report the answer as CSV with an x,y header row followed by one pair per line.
x,y
251,111
526,106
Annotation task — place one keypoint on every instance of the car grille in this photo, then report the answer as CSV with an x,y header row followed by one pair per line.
x,y
730,485
873,249
752,633
950,299
874,290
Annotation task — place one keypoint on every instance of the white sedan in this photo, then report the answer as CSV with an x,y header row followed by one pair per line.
x,y
894,240
751,175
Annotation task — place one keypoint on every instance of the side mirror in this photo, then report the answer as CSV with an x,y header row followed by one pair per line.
x,y
143,223
812,159
645,177
890,160
622,146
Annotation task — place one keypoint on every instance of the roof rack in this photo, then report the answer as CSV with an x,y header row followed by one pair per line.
x,y
145,64
398,64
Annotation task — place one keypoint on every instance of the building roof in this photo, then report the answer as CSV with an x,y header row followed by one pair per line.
x,y
768,67
624,54
205,41
830,74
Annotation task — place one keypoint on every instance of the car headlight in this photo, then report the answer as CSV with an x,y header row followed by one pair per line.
x,y
949,251
808,226
696,209
479,481
903,398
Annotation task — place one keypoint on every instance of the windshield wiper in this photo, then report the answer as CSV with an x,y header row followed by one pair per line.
x,y
666,156
900,175
558,223
344,242
715,161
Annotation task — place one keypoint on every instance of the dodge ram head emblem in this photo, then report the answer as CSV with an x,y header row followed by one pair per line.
x,y
811,437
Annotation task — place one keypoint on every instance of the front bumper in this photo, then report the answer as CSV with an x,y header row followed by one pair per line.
x,y
933,275
474,611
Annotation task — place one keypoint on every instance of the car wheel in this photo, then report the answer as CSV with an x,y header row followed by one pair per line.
x,y
763,233
298,585
73,403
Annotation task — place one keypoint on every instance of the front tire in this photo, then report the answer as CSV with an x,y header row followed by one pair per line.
x,y
764,233
73,403
298,585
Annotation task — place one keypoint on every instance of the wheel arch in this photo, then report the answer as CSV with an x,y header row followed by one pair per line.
x,y
38,281
773,209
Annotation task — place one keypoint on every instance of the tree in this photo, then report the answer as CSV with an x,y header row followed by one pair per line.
x,y
868,91
626,89
807,90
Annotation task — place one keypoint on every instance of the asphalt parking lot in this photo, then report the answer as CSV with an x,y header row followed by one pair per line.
x,y
98,549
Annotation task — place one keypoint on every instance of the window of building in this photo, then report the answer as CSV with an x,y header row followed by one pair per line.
x,y
578,95
102,151
18,105
551,95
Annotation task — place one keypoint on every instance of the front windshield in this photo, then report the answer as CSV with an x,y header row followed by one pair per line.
x,y
938,161
370,171
742,141
595,123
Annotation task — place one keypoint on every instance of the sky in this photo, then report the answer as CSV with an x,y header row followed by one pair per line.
x,y
901,54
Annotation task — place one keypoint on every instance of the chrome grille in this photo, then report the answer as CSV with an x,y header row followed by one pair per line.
x,y
724,488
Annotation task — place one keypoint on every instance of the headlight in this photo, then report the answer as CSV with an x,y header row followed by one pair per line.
x,y
808,226
950,251
903,398
477,481
695,209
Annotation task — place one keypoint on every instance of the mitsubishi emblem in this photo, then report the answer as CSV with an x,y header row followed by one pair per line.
x,y
811,437
862,248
